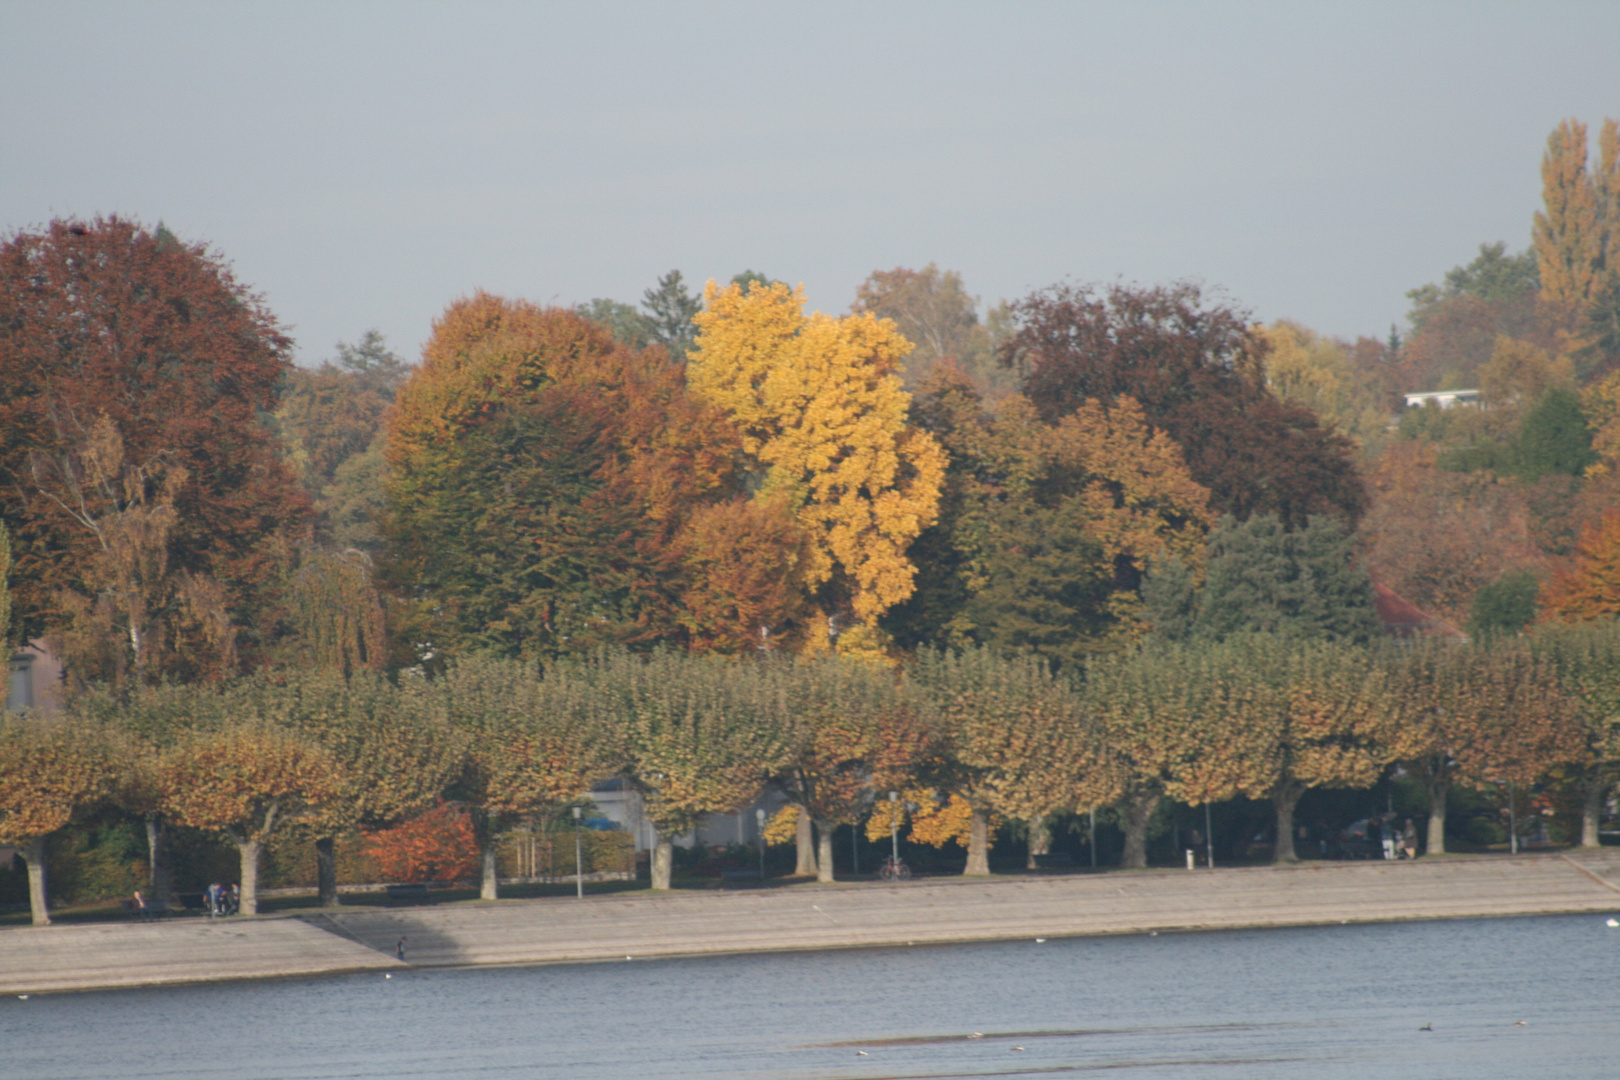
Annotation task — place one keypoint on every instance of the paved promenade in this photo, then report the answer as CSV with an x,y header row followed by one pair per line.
x,y
612,928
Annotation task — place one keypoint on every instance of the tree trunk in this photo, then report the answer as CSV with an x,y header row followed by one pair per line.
x,y
663,862
805,845
1437,819
1139,810
489,884
978,860
1283,800
1040,840
33,853
824,842
326,870
160,873
250,850
1597,788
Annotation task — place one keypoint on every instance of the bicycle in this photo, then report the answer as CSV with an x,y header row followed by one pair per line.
x,y
894,870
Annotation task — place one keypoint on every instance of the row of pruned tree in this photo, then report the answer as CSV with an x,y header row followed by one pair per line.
x,y
1254,715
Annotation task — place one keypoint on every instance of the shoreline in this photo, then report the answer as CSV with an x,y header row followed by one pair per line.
x,y
803,917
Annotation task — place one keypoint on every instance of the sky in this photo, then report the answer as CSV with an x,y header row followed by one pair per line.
x,y
362,165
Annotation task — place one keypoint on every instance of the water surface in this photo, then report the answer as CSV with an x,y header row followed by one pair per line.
x,y
1331,1002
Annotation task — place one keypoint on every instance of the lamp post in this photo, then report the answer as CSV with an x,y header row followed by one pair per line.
x,y
759,819
1209,836
579,861
894,826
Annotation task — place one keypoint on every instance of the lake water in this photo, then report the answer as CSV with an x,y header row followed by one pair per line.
x,y
1331,1002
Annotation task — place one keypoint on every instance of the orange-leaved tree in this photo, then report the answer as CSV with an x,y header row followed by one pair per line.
x,y
1590,588
435,845
1586,656
823,419
51,771
246,780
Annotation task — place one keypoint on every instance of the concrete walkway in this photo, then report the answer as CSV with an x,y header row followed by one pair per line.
x,y
643,925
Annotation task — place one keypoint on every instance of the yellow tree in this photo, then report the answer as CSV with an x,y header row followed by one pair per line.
x,y
1567,235
823,416
246,780
50,771
1589,589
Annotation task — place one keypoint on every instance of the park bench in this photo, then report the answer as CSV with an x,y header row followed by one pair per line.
x,y
729,876
417,892
194,901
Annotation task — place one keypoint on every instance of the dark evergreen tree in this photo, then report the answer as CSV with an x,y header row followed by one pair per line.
x,y
669,313
1505,606
1261,578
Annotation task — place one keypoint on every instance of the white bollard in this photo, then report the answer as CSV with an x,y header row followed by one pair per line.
x,y
1192,860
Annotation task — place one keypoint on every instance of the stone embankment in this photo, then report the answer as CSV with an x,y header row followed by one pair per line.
x,y
644,926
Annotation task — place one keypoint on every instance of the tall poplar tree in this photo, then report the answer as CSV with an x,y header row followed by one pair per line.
x,y
1568,232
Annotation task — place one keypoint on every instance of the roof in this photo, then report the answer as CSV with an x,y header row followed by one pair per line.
x,y
1403,619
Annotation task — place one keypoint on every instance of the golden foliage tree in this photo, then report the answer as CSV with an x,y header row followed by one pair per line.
x,y
822,413
1568,233
246,780
1590,588
50,772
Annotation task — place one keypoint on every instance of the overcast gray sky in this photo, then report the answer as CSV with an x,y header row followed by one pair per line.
x,y
364,164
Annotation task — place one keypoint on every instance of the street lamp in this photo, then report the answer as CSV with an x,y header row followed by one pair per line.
x,y
894,827
759,818
579,861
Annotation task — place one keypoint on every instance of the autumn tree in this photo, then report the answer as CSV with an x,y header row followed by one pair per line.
x,y
330,419
1305,369
1486,712
934,312
1047,529
854,734
531,745
1590,587
1010,738
105,318
1586,657
1180,721
1197,370
1457,323
544,482
1568,236
698,736
247,780
5,612
393,754
51,772
823,422
338,620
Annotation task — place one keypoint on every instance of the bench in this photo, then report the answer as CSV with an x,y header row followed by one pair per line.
x,y
728,876
417,892
193,901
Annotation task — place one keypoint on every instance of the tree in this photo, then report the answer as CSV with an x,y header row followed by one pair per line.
x,y
1263,579
1568,234
1011,739
670,314
1436,536
1197,372
51,772
5,613
1482,713
337,614
1047,529
1505,606
542,479
1553,437
934,312
246,780
698,735
393,755
629,327
331,424
1318,374
823,420
532,745
1178,720
1590,588
104,318
854,735
1586,657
